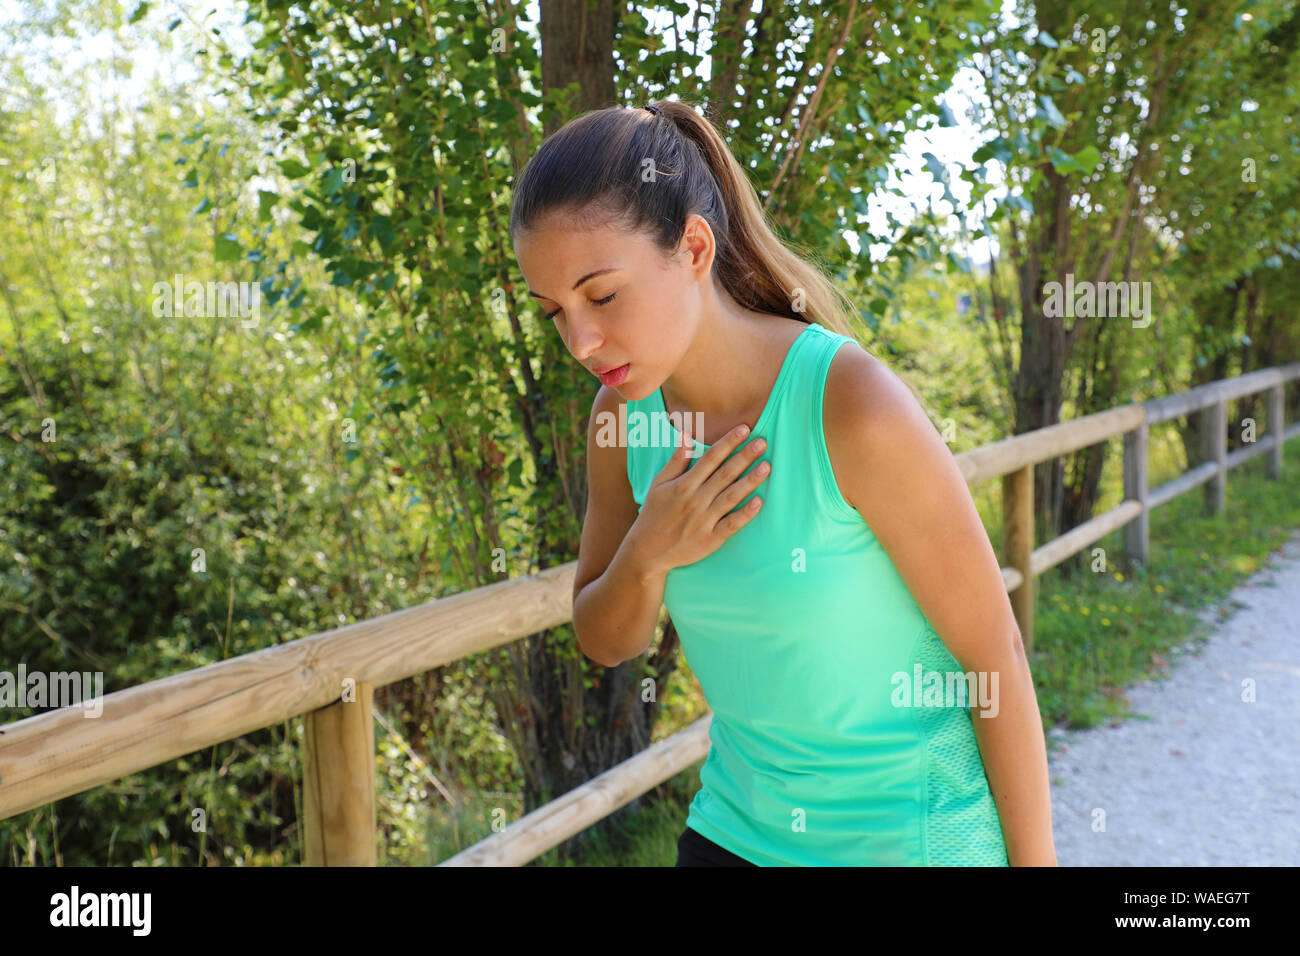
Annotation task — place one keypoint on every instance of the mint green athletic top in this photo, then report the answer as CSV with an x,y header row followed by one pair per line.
x,y
796,628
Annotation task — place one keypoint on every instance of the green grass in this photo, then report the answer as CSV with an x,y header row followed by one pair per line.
x,y
649,837
644,837
1095,632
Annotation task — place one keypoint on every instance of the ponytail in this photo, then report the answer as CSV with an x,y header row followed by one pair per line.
x,y
755,266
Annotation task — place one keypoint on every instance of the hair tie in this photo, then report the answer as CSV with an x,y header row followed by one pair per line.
x,y
653,109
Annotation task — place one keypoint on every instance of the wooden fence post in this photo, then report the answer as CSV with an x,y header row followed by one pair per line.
x,y
1216,449
1137,533
1277,428
338,783
1018,545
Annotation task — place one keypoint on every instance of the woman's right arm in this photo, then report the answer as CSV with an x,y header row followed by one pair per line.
x,y
615,615
616,594
625,555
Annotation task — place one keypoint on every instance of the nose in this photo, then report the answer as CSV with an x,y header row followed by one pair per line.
x,y
584,339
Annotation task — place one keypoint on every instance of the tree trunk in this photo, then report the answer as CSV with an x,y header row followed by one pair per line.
x,y
1098,390
577,47
1039,377
1217,315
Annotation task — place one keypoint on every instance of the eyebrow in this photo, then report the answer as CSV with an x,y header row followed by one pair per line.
x,y
589,275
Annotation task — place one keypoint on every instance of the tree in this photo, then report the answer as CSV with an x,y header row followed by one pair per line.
x,y
1097,109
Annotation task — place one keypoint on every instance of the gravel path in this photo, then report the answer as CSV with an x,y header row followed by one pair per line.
x,y
1208,780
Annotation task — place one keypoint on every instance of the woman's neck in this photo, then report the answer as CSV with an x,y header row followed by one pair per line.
x,y
728,373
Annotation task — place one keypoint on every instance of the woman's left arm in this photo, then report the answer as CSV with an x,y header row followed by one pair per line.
x,y
895,469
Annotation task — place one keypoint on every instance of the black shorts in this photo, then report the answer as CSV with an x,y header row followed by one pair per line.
x,y
696,850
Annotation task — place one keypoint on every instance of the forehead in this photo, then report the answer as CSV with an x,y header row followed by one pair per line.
x,y
557,253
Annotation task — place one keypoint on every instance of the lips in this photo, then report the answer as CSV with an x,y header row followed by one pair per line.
x,y
613,375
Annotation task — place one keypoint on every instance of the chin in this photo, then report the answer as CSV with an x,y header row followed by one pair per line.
x,y
630,394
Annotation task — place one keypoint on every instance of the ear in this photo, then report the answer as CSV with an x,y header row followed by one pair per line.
x,y
698,246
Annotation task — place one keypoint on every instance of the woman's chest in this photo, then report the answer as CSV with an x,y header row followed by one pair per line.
x,y
804,630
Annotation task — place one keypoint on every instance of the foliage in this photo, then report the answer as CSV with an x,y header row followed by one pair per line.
x,y
133,438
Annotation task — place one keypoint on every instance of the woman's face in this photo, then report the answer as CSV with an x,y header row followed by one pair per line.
x,y
635,307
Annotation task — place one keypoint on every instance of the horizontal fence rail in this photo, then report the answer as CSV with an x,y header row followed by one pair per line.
x,y
63,752
53,755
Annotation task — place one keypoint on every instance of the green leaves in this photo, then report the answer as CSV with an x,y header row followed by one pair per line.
x,y
996,148
1019,202
227,248
333,181
1048,111
293,169
1084,161
310,324
1088,158
940,173
265,203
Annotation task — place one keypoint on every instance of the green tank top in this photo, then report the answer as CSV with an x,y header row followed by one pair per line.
x,y
797,629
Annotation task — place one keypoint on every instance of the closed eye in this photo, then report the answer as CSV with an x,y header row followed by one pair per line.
x,y
607,299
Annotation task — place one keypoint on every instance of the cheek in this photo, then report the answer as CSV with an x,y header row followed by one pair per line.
x,y
681,304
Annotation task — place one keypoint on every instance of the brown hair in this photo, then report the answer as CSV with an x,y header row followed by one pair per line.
x,y
595,168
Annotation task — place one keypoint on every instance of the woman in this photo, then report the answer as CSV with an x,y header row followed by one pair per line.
x,y
805,612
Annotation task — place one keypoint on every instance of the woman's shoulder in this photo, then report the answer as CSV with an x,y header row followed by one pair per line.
x,y
866,407
858,384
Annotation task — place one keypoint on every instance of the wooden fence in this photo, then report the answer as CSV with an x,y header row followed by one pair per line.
x,y
329,678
